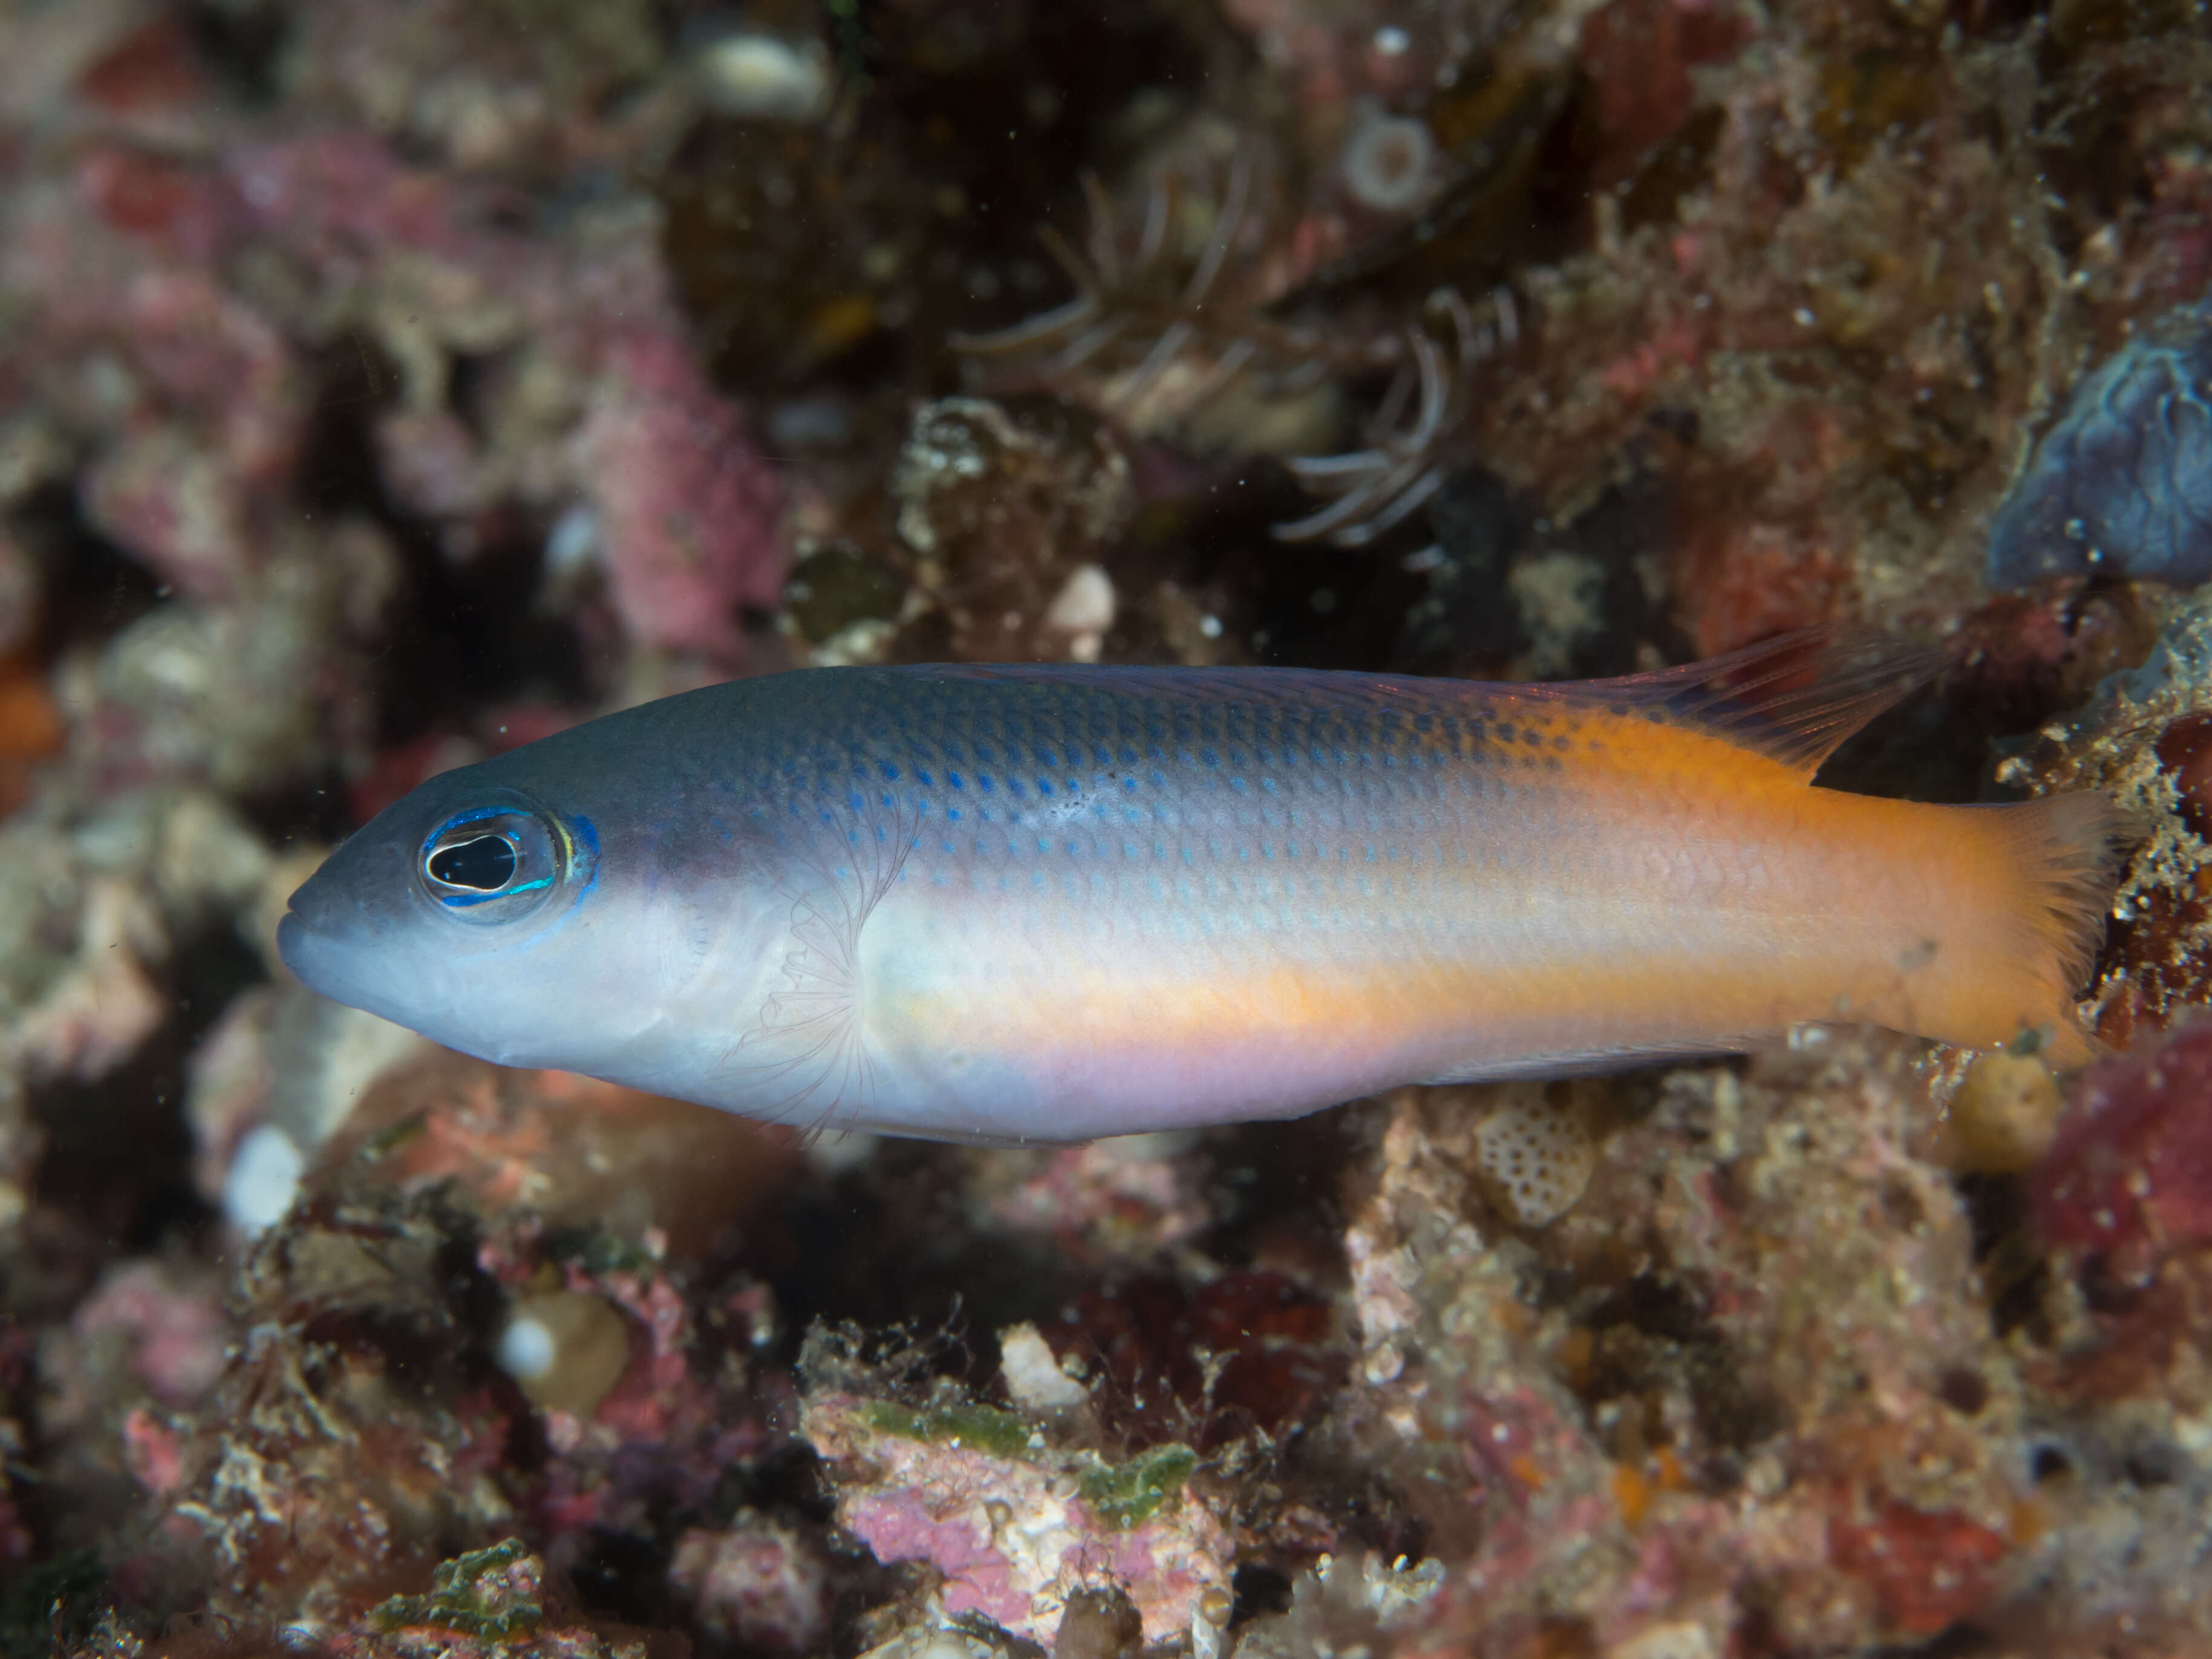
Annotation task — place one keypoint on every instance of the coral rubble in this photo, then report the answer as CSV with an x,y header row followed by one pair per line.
x,y
384,384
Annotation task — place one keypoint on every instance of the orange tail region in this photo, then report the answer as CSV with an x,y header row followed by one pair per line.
x,y
2055,863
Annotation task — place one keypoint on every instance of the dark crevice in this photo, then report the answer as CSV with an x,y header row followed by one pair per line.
x,y
467,634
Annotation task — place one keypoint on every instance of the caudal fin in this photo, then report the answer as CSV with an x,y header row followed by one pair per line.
x,y
2067,851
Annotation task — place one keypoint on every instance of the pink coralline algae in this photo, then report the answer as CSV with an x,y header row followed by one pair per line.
x,y
220,425
757,1584
177,1332
1817,1464
192,387
1014,1525
1126,1199
688,507
171,506
2130,1170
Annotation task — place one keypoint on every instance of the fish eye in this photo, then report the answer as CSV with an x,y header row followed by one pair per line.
x,y
494,863
485,863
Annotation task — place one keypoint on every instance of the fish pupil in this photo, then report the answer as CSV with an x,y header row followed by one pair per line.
x,y
485,863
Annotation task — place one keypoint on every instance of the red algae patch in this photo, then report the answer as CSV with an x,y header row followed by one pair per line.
x,y
2130,1169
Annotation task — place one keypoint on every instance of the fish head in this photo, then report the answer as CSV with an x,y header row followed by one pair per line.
x,y
487,916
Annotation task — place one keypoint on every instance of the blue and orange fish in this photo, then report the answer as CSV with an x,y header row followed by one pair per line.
x,y
1048,904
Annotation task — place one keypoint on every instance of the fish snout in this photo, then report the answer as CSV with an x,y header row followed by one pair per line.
x,y
297,944
312,938
337,923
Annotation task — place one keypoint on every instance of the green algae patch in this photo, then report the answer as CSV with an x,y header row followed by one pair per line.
x,y
394,1137
494,1592
1127,1495
978,1428
598,1251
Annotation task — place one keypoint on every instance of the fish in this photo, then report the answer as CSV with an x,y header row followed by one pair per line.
x,y
1048,904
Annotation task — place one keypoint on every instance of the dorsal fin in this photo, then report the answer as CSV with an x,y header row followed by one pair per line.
x,y
1794,699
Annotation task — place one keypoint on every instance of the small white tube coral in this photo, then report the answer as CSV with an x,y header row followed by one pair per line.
x,y
1389,162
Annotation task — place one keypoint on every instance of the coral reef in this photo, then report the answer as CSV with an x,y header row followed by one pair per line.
x,y
1013,1526
1006,512
755,1585
384,384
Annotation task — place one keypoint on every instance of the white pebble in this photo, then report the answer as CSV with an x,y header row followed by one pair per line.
x,y
527,1349
1033,1377
263,1179
759,78
573,543
1085,604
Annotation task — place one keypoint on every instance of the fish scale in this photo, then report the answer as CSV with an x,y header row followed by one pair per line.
x,y
1010,903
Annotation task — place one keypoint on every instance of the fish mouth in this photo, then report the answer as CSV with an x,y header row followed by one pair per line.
x,y
307,952
319,938
333,963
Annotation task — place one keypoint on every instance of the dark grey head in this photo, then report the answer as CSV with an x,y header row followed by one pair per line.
x,y
456,911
